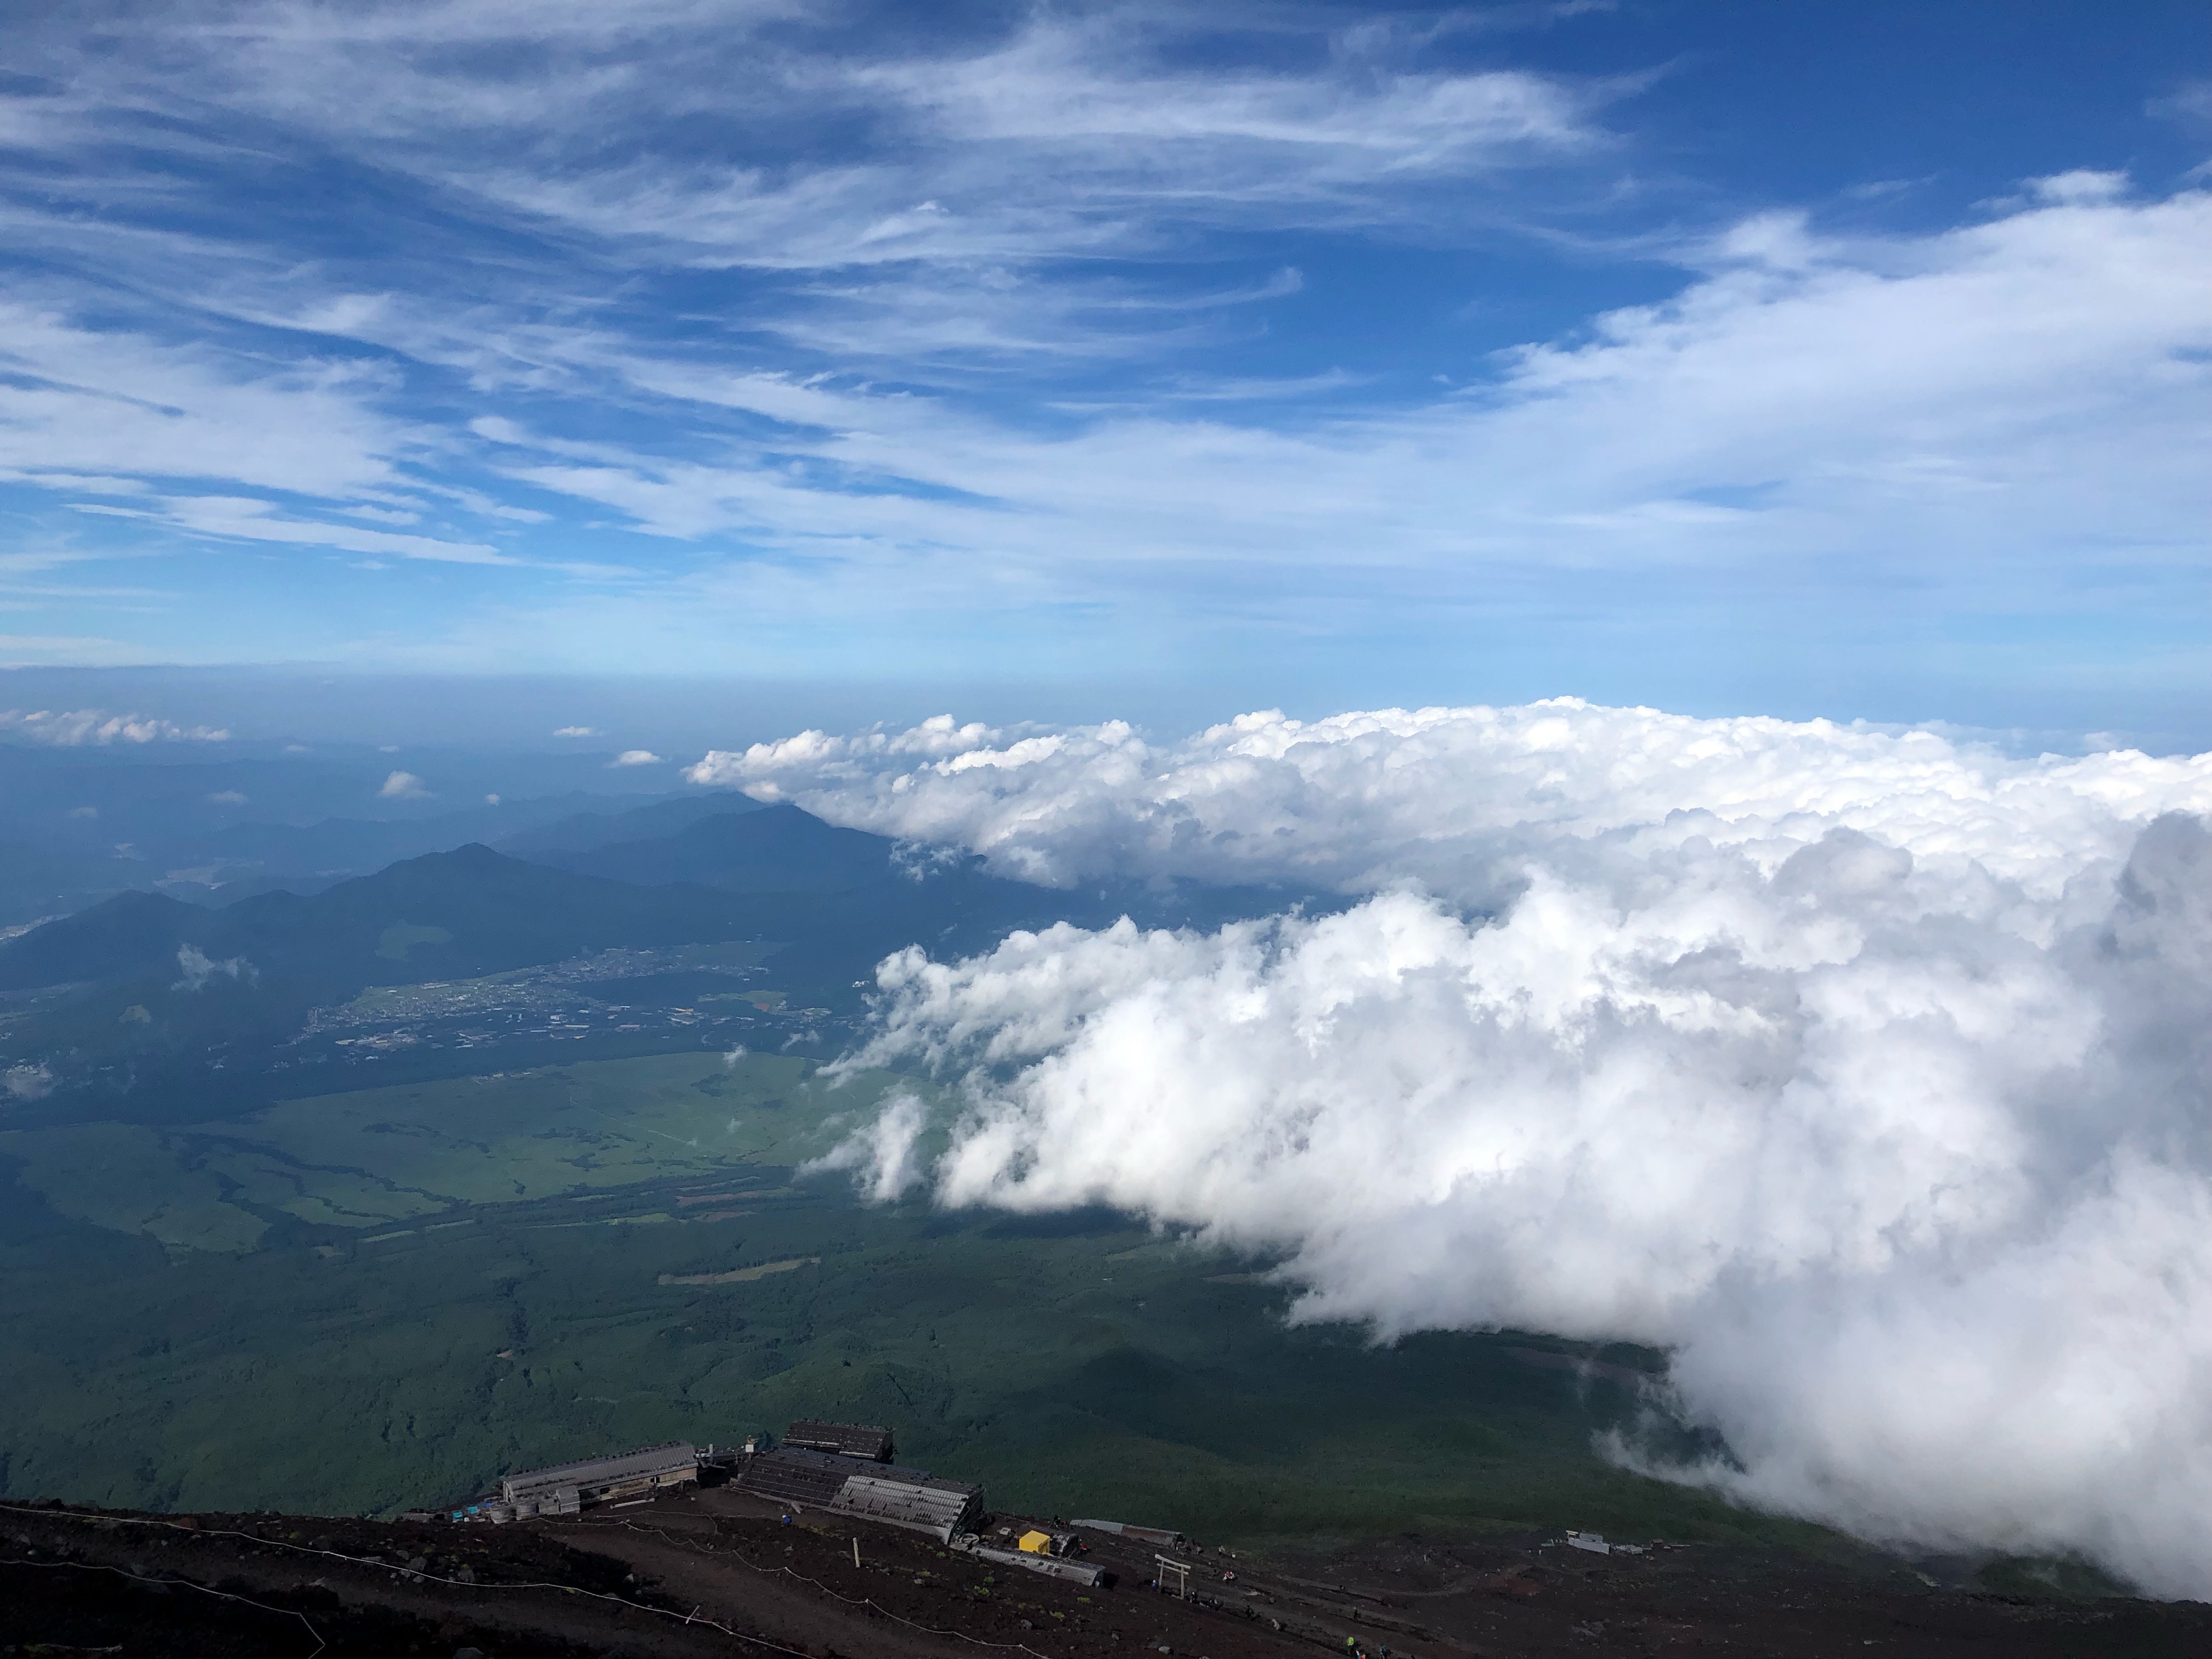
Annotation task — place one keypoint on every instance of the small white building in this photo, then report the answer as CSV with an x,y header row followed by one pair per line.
x,y
564,1488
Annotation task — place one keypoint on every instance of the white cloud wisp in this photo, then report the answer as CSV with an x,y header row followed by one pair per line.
x,y
1864,1071
70,728
199,970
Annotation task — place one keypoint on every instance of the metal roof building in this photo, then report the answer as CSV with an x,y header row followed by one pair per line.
x,y
913,1499
1076,1572
940,1508
809,1478
867,1440
564,1487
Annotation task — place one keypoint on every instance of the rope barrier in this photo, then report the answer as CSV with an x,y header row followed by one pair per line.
x,y
385,1566
173,1584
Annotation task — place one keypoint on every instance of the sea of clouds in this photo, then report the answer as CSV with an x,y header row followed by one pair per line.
x,y
1864,1071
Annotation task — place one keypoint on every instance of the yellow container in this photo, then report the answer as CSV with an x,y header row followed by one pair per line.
x,y
1035,1543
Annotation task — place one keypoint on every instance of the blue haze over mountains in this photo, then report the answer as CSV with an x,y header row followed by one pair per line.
x,y
156,996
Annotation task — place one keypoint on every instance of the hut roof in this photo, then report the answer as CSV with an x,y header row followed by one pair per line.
x,y
869,1440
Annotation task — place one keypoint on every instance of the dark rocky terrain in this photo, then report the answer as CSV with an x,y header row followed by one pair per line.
x,y
722,1573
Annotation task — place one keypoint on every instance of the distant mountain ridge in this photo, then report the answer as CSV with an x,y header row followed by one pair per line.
x,y
44,880
494,912
119,938
64,868
581,832
515,826
837,898
771,849
168,1011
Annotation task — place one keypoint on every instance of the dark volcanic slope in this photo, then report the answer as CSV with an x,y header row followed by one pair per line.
x,y
80,1582
722,1573
1536,1596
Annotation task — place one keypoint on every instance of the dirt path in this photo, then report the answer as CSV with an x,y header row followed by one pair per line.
x,y
683,1565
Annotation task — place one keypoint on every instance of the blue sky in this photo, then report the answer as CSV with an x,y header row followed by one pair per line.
x,y
1724,356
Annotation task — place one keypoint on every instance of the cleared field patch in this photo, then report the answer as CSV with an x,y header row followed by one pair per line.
x,y
740,1275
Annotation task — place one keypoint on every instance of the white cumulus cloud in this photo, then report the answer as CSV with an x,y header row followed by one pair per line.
x,y
27,1082
1453,797
403,786
198,968
635,757
72,727
1863,1071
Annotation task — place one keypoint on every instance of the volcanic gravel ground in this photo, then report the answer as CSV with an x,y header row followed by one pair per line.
x,y
725,1573
1535,1597
910,1595
84,1580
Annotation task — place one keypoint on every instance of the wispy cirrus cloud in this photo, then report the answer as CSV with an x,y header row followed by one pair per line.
x,y
1955,370
78,400
243,518
788,314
